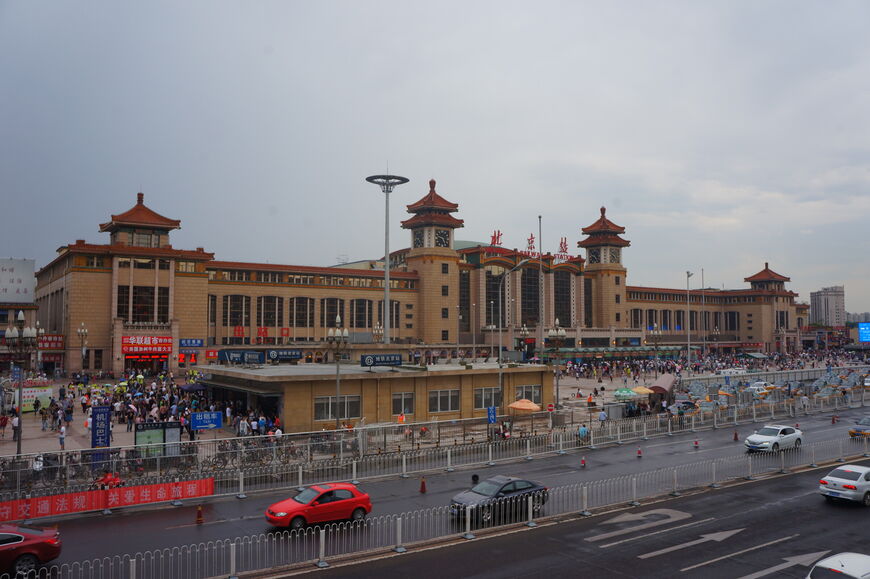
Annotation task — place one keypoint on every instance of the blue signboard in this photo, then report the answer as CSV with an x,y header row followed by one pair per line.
x,y
727,380
101,416
16,373
241,356
190,343
491,414
284,354
864,332
206,420
368,360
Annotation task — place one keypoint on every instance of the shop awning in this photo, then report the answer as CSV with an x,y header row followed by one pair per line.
x,y
664,384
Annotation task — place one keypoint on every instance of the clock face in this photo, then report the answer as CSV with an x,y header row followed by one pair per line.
x,y
614,255
418,238
595,255
442,238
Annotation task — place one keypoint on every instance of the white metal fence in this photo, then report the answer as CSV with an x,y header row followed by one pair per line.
x,y
318,545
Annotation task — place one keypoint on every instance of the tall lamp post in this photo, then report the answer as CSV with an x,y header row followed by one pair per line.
x,y
21,340
500,328
524,333
473,323
557,335
688,326
387,183
715,336
82,331
337,342
656,334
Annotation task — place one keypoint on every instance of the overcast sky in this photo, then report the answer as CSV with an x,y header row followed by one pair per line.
x,y
721,135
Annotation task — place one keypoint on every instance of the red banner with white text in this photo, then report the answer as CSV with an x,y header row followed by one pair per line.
x,y
69,503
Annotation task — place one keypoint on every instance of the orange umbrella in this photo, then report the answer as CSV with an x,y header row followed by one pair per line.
x,y
723,393
524,405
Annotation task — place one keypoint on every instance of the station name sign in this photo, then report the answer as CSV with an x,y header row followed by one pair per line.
x,y
369,360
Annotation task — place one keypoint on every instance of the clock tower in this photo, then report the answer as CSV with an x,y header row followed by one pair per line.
x,y
604,276
433,257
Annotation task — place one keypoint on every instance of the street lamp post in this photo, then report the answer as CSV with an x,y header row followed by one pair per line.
x,y
473,323
21,340
500,328
387,183
524,333
557,335
716,339
337,341
656,337
688,326
82,331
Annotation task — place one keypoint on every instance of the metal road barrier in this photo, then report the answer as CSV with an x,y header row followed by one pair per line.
x,y
241,465
319,545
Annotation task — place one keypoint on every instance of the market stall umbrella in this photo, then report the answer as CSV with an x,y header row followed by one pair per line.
x,y
624,393
642,390
524,405
723,393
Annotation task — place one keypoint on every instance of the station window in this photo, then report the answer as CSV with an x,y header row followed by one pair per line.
x,y
403,403
444,401
445,268
445,335
445,290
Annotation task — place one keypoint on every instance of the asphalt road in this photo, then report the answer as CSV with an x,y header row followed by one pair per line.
x,y
772,528
135,530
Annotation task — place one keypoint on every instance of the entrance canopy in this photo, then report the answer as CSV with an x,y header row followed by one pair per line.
x,y
664,384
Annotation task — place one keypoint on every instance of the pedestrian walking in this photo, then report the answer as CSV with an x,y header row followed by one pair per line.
x,y
4,420
62,437
16,429
602,418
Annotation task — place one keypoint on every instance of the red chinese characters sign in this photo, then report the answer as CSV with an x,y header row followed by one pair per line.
x,y
104,499
146,344
51,342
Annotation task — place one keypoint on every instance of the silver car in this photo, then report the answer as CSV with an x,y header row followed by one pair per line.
x,y
774,437
849,482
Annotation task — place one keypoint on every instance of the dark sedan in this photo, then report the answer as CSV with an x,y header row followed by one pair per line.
x,y
498,498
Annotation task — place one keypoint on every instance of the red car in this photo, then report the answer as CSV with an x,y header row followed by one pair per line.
x,y
316,504
23,549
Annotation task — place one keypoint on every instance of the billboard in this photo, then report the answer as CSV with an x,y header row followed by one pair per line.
x,y
864,332
17,282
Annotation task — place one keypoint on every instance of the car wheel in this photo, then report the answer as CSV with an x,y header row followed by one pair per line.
x,y
297,524
358,514
25,565
775,447
866,500
797,443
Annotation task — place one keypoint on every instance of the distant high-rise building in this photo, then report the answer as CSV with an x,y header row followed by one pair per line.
x,y
828,306
862,317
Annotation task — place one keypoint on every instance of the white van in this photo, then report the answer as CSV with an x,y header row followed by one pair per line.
x,y
733,372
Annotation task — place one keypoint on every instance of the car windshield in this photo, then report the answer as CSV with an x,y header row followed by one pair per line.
x,y
845,473
487,488
306,496
767,431
864,421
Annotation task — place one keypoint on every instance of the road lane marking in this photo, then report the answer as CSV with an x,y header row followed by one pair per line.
x,y
803,560
216,521
718,537
657,532
670,517
740,552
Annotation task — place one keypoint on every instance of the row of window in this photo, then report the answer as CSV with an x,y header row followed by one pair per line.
x,y
693,298
404,402
301,279
359,313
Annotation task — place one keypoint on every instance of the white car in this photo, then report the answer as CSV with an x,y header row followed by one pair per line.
x,y
774,437
850,482
841,565
759,388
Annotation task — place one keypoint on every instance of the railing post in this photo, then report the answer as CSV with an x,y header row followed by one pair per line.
x,y
675,493
561,443
618,435
634,502
468,535
490,462
670,432
133,567
591,438
813,456
449,465
715,417
771,411
749,460
241,494
754,417
233,560
782,469
585,502
399,548
321,560
644,437
528,449
714,484
866,454
531,522
735,414
299,481
693,423
841,459
404,466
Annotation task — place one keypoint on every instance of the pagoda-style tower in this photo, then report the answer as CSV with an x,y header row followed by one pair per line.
x,y
604,277
433,257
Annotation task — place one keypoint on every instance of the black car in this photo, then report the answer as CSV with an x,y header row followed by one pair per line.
x,y
498,498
